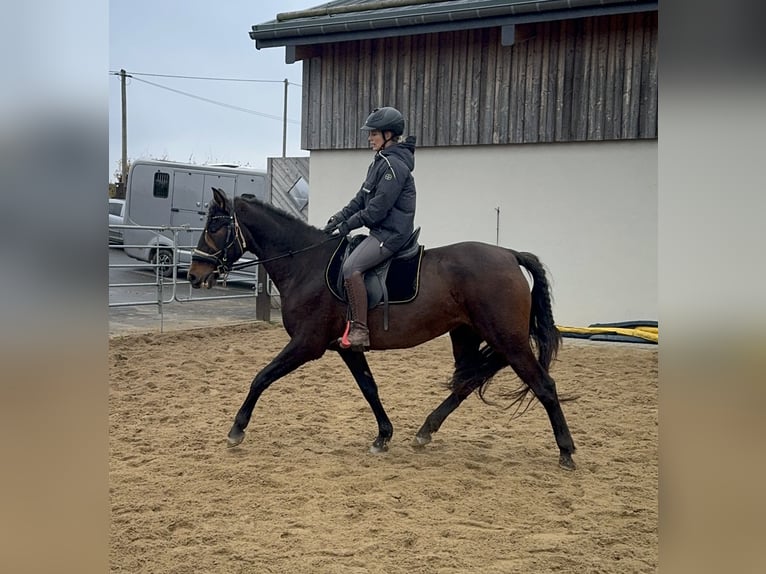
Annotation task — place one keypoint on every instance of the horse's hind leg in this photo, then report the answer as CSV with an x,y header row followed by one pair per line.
x,y
357,364
465,349
529,370
436,418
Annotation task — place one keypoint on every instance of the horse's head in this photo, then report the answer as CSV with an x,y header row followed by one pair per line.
x,y
220,244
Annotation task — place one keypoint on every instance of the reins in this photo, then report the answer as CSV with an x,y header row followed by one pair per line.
x,y
235,235
246,264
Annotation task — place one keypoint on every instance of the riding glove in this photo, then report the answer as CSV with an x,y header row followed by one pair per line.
x,y
336,224
332,224
343,228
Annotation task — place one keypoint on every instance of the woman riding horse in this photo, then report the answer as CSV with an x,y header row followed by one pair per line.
x,y
385,204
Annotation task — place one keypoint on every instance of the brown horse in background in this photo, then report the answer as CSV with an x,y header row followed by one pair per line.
x,y
474,291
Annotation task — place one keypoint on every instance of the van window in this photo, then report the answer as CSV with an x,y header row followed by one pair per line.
x,y
161,184
115,208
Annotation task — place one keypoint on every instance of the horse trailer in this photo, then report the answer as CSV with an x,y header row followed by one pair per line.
x,y
163,194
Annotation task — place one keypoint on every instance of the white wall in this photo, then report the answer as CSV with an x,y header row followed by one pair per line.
x,y
588,210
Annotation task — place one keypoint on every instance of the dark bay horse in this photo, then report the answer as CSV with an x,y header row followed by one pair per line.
x,y
474,291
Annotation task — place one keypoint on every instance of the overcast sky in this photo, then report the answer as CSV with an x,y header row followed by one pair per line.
x,y
203,39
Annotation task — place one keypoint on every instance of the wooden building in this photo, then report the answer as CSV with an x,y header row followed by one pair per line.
x,y
536,124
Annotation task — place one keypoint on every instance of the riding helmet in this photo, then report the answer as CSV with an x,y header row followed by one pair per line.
x,y
385,119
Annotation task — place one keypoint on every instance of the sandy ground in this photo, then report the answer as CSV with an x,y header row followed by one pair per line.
x,y
303,495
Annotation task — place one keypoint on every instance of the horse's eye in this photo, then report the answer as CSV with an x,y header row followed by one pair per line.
x,y
215,223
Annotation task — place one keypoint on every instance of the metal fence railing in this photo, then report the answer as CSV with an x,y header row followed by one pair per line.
x,y
162,281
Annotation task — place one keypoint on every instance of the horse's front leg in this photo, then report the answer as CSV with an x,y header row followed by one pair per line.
x,y
357,364
295,354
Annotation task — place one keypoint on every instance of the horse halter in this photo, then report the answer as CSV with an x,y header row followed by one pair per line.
x,y
220,258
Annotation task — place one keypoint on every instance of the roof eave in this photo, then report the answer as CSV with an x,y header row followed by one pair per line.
x,y
319,30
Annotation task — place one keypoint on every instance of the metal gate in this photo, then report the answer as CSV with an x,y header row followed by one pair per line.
x,y
289,190
166,284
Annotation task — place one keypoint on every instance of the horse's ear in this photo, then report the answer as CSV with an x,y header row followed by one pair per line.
x,y
220,197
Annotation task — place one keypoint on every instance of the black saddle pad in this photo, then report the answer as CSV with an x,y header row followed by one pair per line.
x,y
402,282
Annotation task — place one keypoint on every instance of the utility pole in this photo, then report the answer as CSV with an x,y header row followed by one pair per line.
x,y
124,162
284,123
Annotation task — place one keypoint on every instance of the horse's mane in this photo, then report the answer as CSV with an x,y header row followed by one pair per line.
x,y
290,226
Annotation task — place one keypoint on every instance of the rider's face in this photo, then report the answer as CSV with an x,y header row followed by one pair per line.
x,y
375,138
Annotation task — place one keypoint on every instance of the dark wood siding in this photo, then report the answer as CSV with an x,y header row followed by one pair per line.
x,y
587,79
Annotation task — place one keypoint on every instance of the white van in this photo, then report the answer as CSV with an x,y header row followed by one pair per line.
x,y
169,194
116,217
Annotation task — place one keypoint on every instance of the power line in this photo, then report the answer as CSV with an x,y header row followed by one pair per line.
x,y
206,78
217,103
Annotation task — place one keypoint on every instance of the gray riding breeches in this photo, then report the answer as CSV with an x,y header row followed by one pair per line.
x,y
367,255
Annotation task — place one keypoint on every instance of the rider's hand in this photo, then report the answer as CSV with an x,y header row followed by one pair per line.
x,y
343,228
332,224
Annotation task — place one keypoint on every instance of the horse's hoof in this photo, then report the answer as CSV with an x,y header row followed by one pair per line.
x,y
235,438
379,447
566,462
421,440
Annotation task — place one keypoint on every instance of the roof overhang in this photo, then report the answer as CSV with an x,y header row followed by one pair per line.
x,y
342,22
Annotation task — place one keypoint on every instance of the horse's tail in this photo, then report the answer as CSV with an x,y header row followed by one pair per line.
x,y
477,374
542,328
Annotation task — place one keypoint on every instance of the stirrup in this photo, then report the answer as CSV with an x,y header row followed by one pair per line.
x,y
346,343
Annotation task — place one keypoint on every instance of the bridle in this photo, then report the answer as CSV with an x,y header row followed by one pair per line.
x,y
221,258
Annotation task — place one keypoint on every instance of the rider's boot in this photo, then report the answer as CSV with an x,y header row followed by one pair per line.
x,y
357,335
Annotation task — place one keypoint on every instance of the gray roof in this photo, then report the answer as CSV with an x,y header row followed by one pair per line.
x,y
344,20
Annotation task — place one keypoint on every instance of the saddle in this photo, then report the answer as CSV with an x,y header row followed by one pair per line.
x,y
395,280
